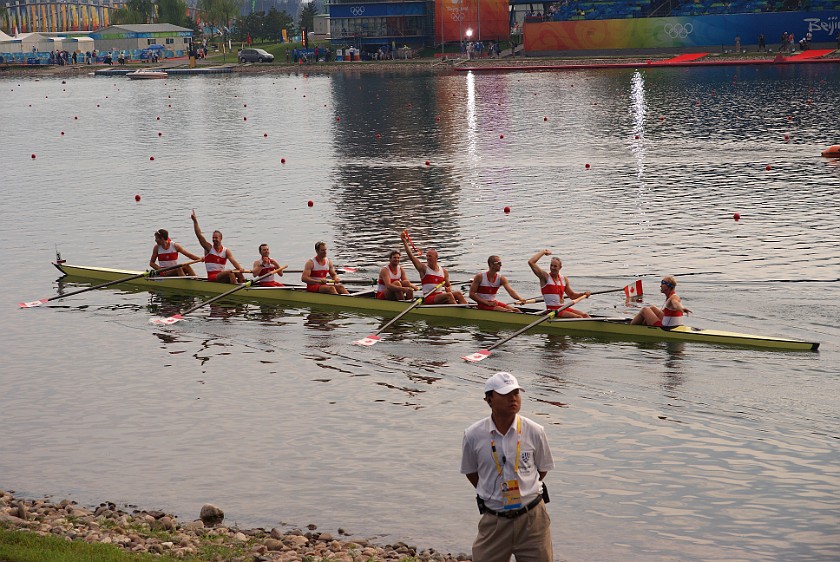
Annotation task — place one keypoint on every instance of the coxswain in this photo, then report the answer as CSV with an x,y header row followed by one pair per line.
x,y
554,286
317,269
265,265
671,313
485,285
393,283
165,254
431,275
216,256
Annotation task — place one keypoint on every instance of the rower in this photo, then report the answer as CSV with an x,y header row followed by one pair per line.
x,y
393,283
165,253
485,285
431,275
216,256
671,313
316,270
554,286
265,265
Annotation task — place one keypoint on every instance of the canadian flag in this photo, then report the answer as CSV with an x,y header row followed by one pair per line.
x,y
634,289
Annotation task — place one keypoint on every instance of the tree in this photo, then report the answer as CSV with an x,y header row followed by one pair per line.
x,y
275,22
135,11
307,16
172,11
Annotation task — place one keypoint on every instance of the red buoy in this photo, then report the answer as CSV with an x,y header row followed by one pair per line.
x,y
545,118
158,117
507,210
768,168
587,166
787,137
736,216
378,136
501,136
282,160
137,197
75,117
62,133
160,134
338,119
637,137
309,203
428,163
151,158
244,118
265,135
33,157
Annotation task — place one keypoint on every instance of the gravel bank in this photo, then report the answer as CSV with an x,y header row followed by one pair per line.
x,y
158,533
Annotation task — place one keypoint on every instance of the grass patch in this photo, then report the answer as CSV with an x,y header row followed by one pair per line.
x,y
24,546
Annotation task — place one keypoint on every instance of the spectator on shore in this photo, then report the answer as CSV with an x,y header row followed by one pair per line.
x,y
762,46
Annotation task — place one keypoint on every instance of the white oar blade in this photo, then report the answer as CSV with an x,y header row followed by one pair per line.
x,y
32,304
370,340
477,356
166,321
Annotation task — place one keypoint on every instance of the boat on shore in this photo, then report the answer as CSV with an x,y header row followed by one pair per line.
x,y
146,74
364,301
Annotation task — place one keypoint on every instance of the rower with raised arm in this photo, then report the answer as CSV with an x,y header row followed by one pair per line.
x,y
393,283
432,274
265,265
216,256
486,284
554,285
671,313
317,269
165,253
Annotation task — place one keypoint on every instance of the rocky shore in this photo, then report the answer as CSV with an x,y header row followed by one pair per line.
x,y
205,538
411,65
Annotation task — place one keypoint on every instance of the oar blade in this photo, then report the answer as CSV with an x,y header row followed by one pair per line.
x,y
166,321
32,304
477,356
349,269
369,340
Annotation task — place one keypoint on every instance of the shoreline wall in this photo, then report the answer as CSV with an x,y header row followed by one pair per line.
x,y
683,32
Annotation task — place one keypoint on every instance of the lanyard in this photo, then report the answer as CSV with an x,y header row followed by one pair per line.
x,y
518,447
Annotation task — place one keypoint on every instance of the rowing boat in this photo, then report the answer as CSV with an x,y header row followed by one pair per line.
x,y
618,327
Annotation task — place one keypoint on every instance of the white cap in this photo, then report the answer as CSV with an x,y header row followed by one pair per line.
x,y
502,383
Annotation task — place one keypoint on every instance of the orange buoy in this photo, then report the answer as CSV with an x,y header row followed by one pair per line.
x,y
832,151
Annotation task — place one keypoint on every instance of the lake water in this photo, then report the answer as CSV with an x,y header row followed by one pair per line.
x,y
663,451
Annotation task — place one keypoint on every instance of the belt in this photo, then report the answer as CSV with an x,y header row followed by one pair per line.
x,y
514,513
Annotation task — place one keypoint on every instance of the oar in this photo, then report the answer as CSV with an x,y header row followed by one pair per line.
x,y
149,273
180,316
374,337
485,353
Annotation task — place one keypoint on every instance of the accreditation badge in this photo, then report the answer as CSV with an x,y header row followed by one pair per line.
x,y
511,499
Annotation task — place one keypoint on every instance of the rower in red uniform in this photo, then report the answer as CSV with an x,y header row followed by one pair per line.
x,y
671,313
485,285
265,265
316,270
393,283
216,256
554,286
431,275
165,253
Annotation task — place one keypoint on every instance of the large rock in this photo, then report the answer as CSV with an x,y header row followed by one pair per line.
x,y
211,515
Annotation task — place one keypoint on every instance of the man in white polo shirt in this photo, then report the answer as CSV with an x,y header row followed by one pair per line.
x,y
506,456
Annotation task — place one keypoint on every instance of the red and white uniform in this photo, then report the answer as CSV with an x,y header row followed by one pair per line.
x,y
215,262
393,277
671,318
553,291
431,279
167,257
268,267
487,289
319,271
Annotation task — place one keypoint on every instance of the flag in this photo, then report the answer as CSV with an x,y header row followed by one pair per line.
x,y
249,39
634,289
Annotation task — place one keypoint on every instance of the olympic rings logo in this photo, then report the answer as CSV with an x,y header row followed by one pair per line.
x,y
456,14
357,10
678,30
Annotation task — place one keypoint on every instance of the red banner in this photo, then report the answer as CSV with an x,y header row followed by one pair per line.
x,y
471,20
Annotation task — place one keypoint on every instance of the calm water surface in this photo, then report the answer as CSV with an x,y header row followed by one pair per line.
x,y
664,451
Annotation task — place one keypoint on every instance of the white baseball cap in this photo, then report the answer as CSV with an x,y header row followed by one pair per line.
x,y
502,383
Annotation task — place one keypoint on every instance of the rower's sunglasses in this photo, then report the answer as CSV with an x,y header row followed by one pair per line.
x,y
497,263
667,284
